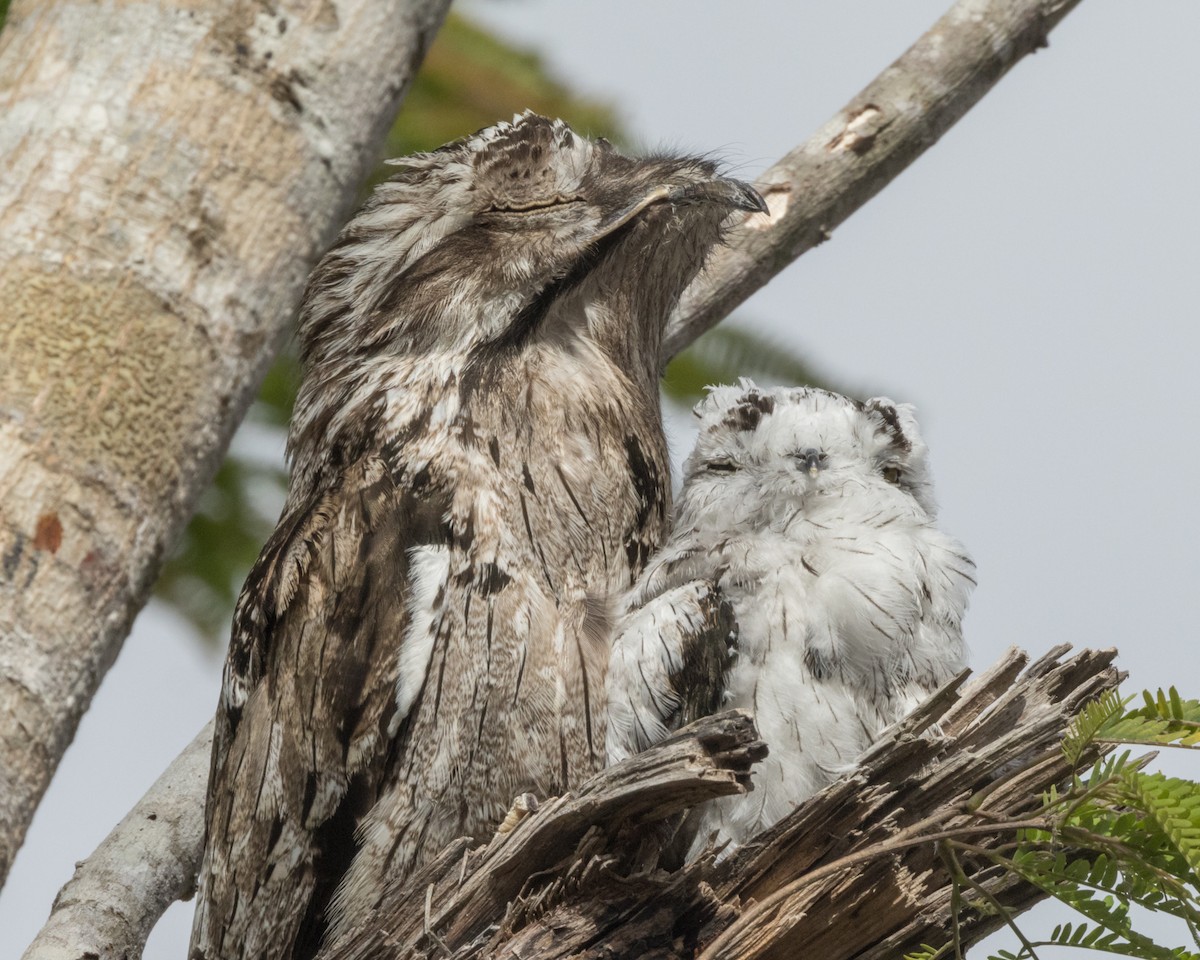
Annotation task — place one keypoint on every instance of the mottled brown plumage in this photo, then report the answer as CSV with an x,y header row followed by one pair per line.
x,y
477,466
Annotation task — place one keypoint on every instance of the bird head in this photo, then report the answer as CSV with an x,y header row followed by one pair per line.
x,y
524,229
777,446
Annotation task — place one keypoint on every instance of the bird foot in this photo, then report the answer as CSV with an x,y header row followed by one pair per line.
x,y
522,807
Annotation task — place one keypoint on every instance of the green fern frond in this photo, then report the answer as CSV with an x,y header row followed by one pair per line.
x,y
1141,867
1088,937
1089,722
1102,891
1166,719
1174,804
1114,836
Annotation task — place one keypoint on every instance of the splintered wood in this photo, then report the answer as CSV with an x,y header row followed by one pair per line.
x,y
856,871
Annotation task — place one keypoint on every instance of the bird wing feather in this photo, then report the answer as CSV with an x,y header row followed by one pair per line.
x,y
308,704
668,666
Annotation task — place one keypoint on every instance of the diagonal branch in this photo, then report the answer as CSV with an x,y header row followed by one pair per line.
x,y
901,113
145,864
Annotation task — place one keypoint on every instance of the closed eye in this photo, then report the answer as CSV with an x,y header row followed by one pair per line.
x,y
533,206
721,466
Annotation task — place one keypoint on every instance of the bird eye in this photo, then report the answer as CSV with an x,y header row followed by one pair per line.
x,y
721,466
892,474
534,206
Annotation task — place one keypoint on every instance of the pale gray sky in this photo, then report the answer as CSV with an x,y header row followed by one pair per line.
x,y
1031,284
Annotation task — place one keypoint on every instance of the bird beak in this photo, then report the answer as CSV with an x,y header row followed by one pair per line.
x,y
731,193
811,459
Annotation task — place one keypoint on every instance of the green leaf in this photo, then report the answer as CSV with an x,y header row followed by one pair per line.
x,y
1086,726
731,351
1175,806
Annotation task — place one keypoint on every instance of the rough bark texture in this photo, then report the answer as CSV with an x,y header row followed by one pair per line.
x,y
147,863
855,872
170,173
903,112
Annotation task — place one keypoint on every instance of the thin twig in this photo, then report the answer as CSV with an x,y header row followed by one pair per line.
x,y
955,900
963,877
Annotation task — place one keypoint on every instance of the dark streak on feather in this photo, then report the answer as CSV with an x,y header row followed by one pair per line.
x,y
437,700
536,546
587,700
564,766
650,501
491,579
520,676
335,844
891,423
526,323
562,477
748,414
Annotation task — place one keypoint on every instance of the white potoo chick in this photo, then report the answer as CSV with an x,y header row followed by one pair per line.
x,y
813,516
477,464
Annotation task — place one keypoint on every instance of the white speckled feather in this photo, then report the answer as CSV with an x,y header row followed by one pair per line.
x,y
814,516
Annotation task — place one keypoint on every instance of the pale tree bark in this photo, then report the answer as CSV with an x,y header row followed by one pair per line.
x,y
170,173
147,863
812,190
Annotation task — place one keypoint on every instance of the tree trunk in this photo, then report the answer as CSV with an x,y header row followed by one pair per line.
x,y
170,174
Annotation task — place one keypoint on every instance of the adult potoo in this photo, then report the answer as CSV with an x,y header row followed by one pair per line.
x,y
813,516
477,465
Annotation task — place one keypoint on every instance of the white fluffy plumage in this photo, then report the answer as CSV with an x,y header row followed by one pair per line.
x,y
813,516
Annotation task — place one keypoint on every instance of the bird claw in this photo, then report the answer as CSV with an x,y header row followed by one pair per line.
x,y
522,807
